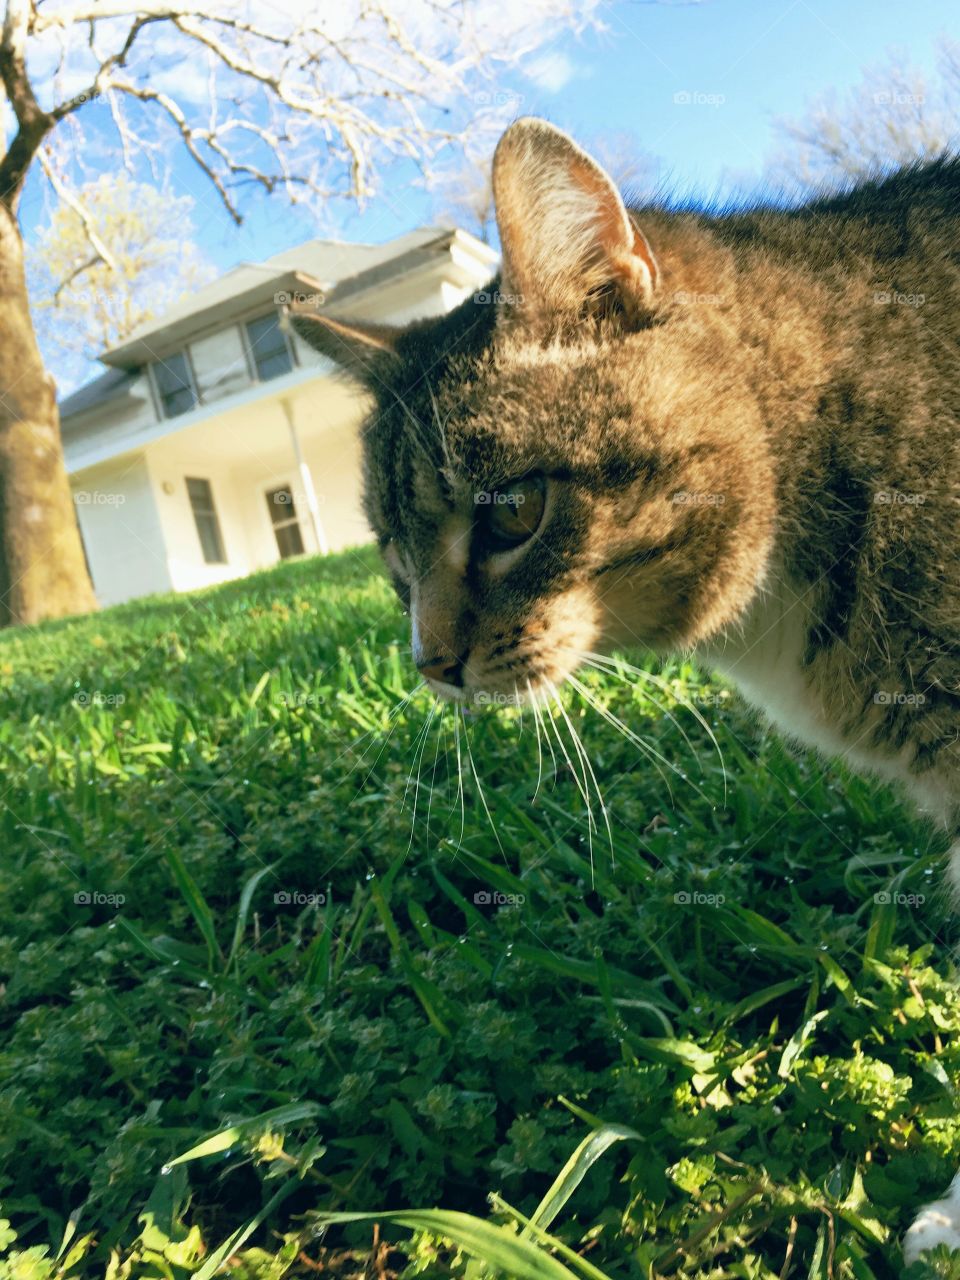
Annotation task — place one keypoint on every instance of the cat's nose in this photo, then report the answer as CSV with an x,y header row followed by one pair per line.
x,y
444,669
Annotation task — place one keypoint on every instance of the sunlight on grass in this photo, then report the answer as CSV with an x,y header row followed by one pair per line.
x,y
283,951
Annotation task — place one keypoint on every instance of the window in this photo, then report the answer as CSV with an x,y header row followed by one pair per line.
x,y
208,526
268,347
174,384
286,526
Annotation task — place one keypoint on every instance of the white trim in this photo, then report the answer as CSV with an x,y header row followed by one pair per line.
x,y
300,377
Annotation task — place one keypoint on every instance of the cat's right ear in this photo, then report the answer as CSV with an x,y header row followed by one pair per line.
x,y
364,351
566,236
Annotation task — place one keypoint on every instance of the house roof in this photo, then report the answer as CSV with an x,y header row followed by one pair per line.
x,y
339,270
115,384
328,265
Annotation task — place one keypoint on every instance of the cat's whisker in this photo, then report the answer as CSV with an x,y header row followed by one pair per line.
x,y
614,666
419,431
433,775
441,428
394,716
602,661
476,776
651,753
611,666
536,725
418,746
585,758
419,766
580,783
542,708
463,806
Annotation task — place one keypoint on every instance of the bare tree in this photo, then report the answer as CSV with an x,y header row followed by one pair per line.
x,y
313,101
894,115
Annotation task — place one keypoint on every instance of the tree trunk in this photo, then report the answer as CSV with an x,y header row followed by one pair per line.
x,y
43,573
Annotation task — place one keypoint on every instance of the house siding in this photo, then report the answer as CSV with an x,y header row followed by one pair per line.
x,y
121,529
237,438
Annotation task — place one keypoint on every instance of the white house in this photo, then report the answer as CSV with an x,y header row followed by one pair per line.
x,y
217,443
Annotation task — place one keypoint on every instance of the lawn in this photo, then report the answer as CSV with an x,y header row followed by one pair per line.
x,y
258,979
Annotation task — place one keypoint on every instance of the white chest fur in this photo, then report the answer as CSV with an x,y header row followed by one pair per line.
x,y
763,657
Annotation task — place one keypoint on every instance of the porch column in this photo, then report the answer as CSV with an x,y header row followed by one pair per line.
x,y
306,479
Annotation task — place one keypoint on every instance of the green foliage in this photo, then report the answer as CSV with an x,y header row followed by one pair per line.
x,y
83,303
249,999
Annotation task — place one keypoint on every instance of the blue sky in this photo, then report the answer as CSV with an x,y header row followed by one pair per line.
x,y
766,59
743,63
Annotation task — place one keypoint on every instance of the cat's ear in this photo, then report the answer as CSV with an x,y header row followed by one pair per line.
x,y
566,236
362,350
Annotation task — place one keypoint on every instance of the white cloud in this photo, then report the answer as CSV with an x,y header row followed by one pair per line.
x,y
550,71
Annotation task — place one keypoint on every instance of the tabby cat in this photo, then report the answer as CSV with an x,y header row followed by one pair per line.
x,y
730,434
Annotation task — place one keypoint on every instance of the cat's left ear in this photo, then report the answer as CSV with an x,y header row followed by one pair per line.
x,y
364,351
566,236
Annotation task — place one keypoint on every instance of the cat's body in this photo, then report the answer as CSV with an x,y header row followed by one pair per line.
x,y
853,643
733,434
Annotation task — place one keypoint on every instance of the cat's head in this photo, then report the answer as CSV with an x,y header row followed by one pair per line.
x,y
571,461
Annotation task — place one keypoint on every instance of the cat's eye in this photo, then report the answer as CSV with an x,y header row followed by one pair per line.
x,y
515,511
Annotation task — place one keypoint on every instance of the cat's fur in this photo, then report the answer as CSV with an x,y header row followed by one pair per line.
x,y
749,426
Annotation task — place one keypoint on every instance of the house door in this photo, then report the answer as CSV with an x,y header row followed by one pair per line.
x,y
285,521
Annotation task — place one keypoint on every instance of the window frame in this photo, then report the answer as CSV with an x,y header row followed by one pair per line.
x,y
251,350
294,520
162,413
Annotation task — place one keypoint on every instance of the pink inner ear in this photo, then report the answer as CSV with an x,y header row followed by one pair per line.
x,y
620,240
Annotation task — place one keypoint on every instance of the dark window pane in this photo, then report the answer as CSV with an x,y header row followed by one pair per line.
x,y
289,540
174,385
286,526
281,505
268,346
205,518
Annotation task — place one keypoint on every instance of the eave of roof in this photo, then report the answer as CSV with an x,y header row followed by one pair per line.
x,y
114,384
277,276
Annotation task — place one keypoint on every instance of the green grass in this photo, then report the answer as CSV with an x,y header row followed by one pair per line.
x,y
307,1008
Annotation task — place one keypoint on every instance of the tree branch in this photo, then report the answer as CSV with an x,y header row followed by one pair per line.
x,y
34,123
102,77
188,135
71,201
